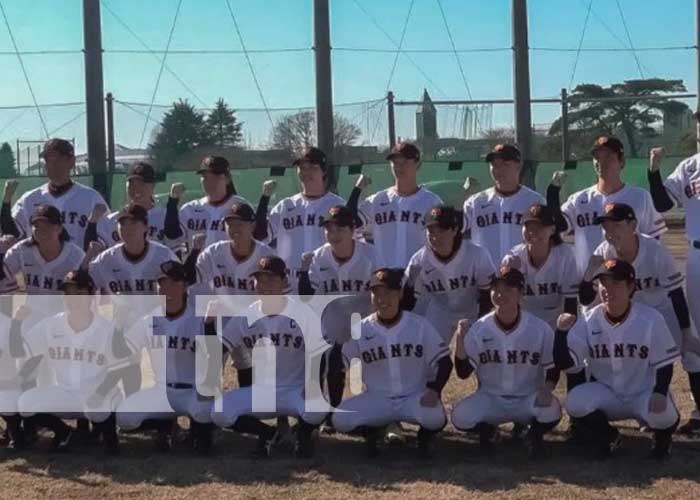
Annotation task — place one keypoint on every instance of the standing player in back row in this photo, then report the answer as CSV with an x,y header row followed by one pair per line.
x,y
395,217
495,216
583,208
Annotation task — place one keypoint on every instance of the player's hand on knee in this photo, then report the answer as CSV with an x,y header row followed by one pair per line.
x,y
595,266
198,241
543,399
363,181
565,321
269,187
98,211
6,241
559,178
177,189
512,261
657,403
430,398
10,189
656,156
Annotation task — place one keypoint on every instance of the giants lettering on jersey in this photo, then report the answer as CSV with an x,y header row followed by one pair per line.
x,y
601,351
74,218
224,281
76,354
396,351
137,285
692,189
586,219
543,289
405,216
648,282
437,285
202,225
45,282
513,357
299,221
492,218
332,286
278,340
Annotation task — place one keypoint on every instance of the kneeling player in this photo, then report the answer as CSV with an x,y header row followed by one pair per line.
x,y
511,352
629,352
405,365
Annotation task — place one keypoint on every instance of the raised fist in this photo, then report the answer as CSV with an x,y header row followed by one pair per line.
x,y
471,185
595,266
98,211
269,187
177,190
363,181
656,156
306,260
462,329
559,178
198,241
10,188
565,321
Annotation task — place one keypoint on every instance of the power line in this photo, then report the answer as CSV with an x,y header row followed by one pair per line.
x,y
250,63
160,72
24,71
629,38
613,49
422,51
580,43
210,51
39,52
72,120
251,110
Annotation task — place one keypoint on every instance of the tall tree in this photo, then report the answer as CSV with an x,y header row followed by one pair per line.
x,y
631,118
7,162
224,128
294,132
183,129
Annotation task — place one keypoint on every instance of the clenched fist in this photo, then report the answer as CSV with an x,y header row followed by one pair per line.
x,y
306,260
177,190
565,321
198,241
656,156
363,181
269,188
98,211
10,189
559,178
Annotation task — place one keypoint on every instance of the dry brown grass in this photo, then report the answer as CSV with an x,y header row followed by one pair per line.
x,y
340,470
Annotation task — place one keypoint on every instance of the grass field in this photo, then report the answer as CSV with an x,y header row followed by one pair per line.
x,y
341,471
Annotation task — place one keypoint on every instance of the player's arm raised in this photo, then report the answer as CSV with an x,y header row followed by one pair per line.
x,y
586,290
553,200
562,354
7,223
659,195
260,232
171,225
354,199
463,367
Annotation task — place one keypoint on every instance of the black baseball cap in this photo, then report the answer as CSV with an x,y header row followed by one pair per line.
x,y
341,216
444,216
311,155
79,278
619,270
215,164
49,213
57,145
616,212
540,213
174,270
608,142
271,265
143,171
406,150
241,211
391,278
506,152
133,211
510,276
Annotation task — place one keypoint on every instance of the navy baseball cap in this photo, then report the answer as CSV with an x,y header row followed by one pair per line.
x,y
143,171
271,265
174,270
311,155
241,211
506,152
49,213
391,278
214,164
80,279
540,213
510,276
616,212
444,216
404,150
618,270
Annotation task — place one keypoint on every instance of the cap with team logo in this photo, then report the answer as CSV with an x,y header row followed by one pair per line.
x,y
142,171
311,155
174,270
133,211
60,146
80,279
391,278
619,270
510,276
214,164
340,215
616,212
404,150
506,152
48,213
540,213
271,265
608,142
444,216
241,211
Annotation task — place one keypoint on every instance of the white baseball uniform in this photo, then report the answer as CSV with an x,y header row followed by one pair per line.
x,y
75,206
657,274
201,217
511,368
223,274
107,227
9,383
683,185
171,346
622,359
548,286
397,363
496,221
449,291
397,223
277,347
79,361
582,209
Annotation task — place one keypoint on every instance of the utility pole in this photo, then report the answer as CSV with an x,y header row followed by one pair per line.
x,y
324,87
94,95
392,118
564,126
521,88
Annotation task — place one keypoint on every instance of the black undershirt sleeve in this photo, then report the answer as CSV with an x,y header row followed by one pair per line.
x,y
171,226
571,306
7,223
443,375
485,304
659,195
463,367
554,203
354,203
190,266
562,356
305,287
586,293
408,298
663,379
260,231
90,235
553,375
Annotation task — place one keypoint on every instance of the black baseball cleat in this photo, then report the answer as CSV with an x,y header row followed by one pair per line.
x,y
263,449
609,445
62,438
690,429
518,432
487,433
535,444
661,447
327,427
426,444
307,441
204,438
372,438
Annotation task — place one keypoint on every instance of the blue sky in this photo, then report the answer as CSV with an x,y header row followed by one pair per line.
x,y
287,78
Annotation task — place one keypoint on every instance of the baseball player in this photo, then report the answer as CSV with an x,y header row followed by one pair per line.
x,y
10,388
76,345
294,224
581,210
549,267
283,343
659,283
495,216
629,352
74,200
510,350
8,236
394,218
405,365
449,276
682,189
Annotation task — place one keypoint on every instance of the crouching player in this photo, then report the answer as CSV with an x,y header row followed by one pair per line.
x,y
405,365
511,352
629,352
